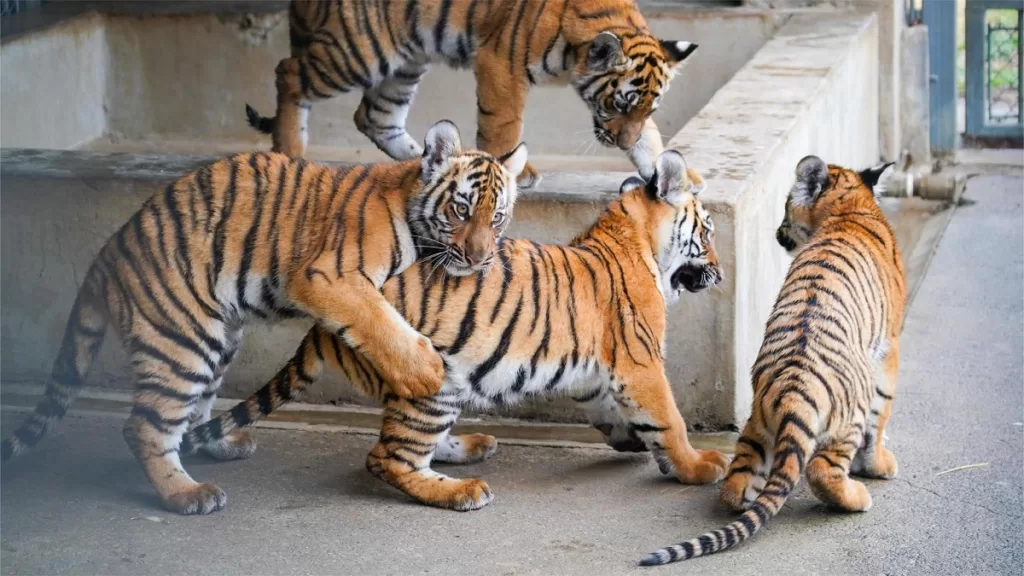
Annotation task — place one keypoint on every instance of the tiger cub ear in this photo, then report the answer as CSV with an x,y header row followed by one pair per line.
x,y
631,183
515,160
676,51
871,176
604,53
811,180
442,142
668,179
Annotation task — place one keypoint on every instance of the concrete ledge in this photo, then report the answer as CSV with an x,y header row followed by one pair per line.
x,y
812,89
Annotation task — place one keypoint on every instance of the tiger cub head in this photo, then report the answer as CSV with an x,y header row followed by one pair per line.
x,y
465,203
816,185
622,81
683,233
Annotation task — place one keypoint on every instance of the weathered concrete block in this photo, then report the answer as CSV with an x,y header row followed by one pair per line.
x,y
915,112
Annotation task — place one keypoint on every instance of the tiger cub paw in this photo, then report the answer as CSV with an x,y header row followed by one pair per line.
x,y
197,499
238,445
708,468
418,375
529,177
740,489
883,465
465,449
459,495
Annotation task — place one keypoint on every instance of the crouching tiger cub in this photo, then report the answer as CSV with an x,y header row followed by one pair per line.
x,y
826,375
603,47
587,319
262,235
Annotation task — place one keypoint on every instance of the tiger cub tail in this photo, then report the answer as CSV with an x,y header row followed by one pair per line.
x,y
301,371
794,444
258,121
83,337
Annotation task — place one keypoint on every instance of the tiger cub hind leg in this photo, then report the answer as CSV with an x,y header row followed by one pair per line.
x,y
828,475
874,460
748,472
607,417
153,434
289,127
409,439
382,113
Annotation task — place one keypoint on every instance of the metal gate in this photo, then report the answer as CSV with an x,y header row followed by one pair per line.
x,y
994,62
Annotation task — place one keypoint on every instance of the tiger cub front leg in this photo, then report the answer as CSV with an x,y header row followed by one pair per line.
x,y
409,439
359,314
647,401
501,92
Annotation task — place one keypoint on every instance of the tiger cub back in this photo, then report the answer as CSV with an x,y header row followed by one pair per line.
x,y
825,377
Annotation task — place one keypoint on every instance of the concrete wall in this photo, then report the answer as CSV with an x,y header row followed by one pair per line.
x,y
53,86
163,85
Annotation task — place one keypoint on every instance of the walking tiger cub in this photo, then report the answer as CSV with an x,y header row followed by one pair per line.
x,y
826,375
602,47
587,319
262,235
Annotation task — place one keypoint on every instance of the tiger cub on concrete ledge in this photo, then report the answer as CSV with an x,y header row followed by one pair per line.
x,y
602,47
826,375
587,320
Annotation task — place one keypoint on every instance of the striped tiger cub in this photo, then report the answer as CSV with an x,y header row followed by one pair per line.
x,y
586,320
826,375
262,235
383,48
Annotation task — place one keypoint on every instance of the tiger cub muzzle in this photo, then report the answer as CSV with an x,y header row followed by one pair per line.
x,y
695,278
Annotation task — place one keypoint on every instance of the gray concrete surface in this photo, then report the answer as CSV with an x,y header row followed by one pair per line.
x,y
304,503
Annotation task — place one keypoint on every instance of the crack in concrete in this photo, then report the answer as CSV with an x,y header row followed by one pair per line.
x,y
958,500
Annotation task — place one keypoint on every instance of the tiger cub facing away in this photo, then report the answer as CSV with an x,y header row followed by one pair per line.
x,y
826,374
587,320
262,235
602,47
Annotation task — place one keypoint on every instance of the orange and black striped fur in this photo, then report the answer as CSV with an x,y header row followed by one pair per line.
x,y
383,48
262,235
586,319
826,375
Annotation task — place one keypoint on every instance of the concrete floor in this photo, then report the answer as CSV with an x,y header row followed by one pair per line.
x,y
304,503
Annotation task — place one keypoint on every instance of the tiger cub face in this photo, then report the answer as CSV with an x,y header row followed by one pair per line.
x,y
622,81
684,232
816,184
466,202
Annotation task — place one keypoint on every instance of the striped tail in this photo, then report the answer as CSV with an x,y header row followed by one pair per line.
x,y
83,337
302,370
792,453
258,121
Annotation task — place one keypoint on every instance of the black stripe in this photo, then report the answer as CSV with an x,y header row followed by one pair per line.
x,y
499,352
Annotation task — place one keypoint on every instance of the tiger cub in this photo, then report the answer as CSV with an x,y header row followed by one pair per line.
x,y
826,375
262,235
587,320
602,47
